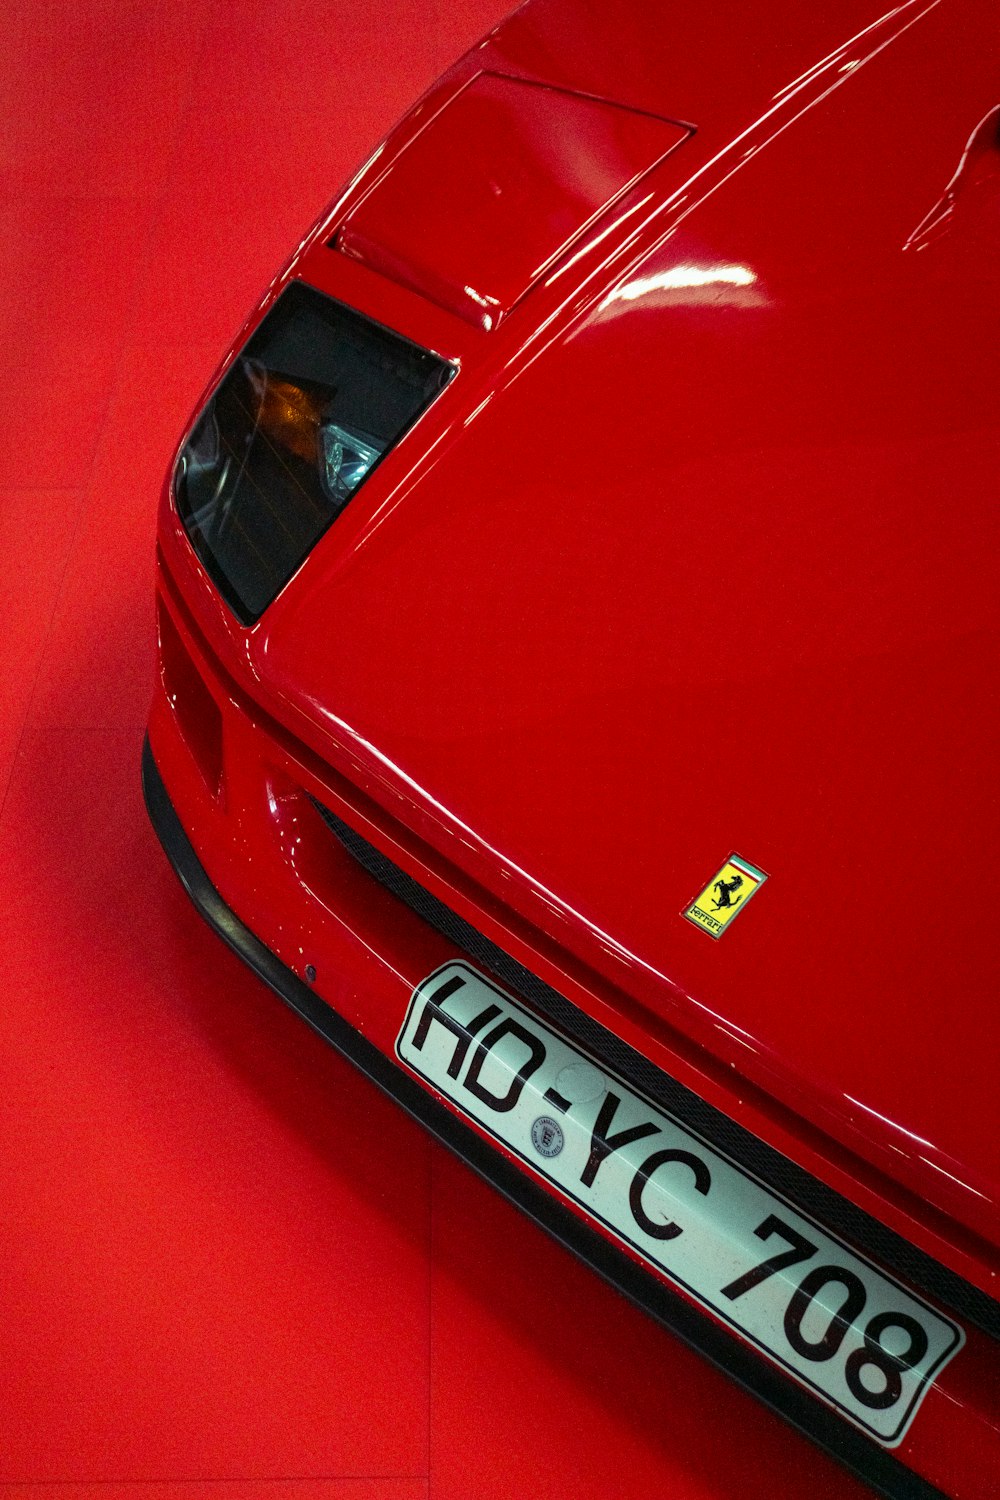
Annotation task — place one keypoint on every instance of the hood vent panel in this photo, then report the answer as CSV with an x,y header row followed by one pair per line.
x,y
497,187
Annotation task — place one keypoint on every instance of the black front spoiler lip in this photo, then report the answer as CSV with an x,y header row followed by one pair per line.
x,y
885,1473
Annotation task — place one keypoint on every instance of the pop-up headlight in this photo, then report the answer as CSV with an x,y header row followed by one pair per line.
x,y
303,415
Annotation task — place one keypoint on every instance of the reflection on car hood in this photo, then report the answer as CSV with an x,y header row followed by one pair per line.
x,y
715,573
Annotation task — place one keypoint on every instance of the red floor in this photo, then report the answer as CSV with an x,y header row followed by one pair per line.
x,y
229,1267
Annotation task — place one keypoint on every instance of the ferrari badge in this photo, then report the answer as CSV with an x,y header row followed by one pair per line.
x,y
725,896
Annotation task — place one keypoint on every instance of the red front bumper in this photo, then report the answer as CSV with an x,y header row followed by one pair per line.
x,y
231,795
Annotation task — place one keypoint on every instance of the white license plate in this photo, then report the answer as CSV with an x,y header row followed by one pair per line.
x,y
847,1331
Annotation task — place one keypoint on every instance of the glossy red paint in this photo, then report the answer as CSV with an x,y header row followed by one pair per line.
x,y
477,242
697,553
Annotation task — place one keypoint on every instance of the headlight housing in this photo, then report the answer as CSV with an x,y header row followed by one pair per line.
x,y
309,407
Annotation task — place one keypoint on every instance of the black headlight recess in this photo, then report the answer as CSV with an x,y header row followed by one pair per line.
x,y
312,403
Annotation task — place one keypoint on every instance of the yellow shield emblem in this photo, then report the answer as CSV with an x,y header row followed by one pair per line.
x,y
725,896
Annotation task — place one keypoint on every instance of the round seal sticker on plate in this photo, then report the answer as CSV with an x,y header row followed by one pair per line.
x,y
547,1136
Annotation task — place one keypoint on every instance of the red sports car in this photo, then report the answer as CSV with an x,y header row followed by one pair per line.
x,y
577,698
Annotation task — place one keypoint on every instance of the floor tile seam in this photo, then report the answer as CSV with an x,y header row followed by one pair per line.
x,y
154,203
417,1477
112,394
158,203
10,197
120,726
116,385
84,491
46,633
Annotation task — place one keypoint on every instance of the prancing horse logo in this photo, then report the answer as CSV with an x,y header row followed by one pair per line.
x,y
725,889
727,894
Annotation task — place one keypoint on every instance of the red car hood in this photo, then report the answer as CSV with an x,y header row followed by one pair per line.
x,y
711,568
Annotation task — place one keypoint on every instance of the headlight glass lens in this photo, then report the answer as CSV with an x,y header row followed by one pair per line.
x,y
309,407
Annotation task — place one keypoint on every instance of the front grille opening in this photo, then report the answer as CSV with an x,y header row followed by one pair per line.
x,y
448,923
198,714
